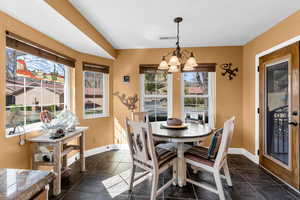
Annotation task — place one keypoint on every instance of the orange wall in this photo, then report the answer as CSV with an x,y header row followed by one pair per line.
x,y
100,130
228,93
285,30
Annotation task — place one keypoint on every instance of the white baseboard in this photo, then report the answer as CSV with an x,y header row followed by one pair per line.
x,y
244,152
97,150
122,146
94,151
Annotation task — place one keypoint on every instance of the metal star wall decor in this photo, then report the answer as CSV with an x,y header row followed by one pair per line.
x,y
228,71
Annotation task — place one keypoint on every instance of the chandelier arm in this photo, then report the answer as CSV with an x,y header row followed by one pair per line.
x,y
170,53
186,51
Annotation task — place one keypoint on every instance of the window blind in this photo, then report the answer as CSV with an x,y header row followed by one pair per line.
x,y
19,43
95,67
202,67
149,68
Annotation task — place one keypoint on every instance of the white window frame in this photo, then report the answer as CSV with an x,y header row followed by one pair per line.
x,y
105,82
37,126
210,96
169,94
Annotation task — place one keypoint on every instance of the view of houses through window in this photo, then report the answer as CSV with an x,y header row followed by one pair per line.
x,y
196,94
155,99
93,94
33,84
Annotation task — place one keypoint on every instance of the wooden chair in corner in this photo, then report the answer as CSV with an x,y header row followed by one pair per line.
x,y
148,157
200,160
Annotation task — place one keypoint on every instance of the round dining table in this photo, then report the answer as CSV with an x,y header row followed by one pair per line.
x,y
193,133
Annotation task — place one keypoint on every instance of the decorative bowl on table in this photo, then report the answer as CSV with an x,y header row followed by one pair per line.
x,y
174,123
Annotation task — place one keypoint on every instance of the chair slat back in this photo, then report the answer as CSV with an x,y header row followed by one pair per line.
x,y
140,141
225,142
140,116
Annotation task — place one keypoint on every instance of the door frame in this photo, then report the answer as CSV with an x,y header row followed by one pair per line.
x,y
257,56
282,59
280,48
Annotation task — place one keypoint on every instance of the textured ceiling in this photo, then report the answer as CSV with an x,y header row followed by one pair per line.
x,y
139,23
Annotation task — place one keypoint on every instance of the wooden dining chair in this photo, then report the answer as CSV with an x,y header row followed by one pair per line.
x,y
144,117
209,152
140,116
148,157
200,160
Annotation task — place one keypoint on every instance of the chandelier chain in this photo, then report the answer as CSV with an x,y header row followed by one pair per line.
x,y
177,33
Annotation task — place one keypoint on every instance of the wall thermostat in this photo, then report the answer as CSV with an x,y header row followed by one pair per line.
x,y
126,79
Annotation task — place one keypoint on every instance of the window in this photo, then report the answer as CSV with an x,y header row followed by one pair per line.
x,y
197,95
33,84
156,95
95,94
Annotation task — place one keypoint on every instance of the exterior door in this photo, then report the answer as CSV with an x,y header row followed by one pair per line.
x,y
279,113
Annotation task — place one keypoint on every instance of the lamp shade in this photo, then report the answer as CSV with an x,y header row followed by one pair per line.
x,y
188,67
173,68
191,61
174,60
163,65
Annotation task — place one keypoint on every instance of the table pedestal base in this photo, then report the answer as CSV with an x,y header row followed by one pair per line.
x,y
181,179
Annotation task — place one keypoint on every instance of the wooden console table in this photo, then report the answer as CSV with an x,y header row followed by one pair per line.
x,y
60,151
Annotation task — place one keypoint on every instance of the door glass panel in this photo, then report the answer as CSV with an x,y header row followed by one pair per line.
x,y
277,112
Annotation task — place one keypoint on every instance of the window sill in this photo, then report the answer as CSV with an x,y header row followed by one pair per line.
x,y
27,129
86,117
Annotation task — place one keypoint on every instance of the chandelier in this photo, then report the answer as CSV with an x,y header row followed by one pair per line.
x,y
179,57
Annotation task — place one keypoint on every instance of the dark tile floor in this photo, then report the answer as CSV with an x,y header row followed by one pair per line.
x,y
107,178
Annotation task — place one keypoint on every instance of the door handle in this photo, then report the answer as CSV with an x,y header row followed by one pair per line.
x,y
293,123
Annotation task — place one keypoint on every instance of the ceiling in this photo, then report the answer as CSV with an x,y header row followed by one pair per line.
x,y
40,16
139,23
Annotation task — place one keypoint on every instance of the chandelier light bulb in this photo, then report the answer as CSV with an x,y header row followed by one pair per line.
x,y
188,67
192,61
173,68
174,60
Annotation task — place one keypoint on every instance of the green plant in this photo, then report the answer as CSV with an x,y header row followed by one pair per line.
x,y
190,101
150,87
14,108
150,77
28,108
